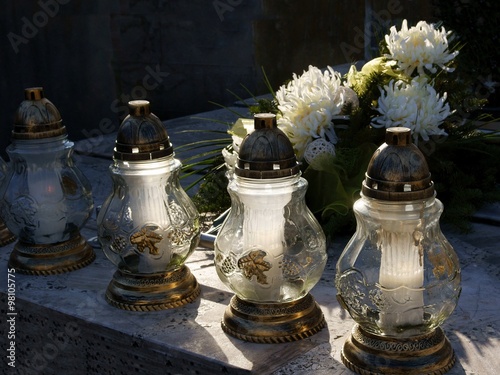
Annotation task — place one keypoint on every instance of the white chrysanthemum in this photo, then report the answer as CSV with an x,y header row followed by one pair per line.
x,y
308,104
416,106
421,46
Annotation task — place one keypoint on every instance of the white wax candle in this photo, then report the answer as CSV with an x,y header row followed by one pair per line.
x,y
50,217
264,229
401,277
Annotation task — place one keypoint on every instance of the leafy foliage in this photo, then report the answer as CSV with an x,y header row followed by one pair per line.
x,y
212,195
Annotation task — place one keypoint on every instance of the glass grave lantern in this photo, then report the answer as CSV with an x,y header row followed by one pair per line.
x,y
6,236
270,250
148,226
398,277
45,198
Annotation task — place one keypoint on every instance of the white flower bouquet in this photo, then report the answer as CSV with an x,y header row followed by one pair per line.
x,y
336,122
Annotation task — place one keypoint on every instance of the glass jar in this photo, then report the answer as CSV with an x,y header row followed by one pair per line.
x,y
46,199
270,248
398,275
148,224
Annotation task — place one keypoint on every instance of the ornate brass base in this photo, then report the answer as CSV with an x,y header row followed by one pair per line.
x,y
273,322
152,292
6,236
51,259
368,354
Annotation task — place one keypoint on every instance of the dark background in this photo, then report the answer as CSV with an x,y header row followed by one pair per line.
x,y
92,56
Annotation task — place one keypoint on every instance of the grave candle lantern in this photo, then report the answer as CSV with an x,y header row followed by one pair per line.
x,y
45,199
148,226
398,277
270,250
6,236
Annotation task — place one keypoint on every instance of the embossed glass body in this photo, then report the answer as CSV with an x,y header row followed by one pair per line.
x,y
45,198
270,247
398,275
148,224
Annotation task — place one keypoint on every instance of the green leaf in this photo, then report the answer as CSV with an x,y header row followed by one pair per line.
x,y
335,182
325,191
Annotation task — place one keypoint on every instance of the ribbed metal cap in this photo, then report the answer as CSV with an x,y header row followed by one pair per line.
x,y
398,170
266,152
37,117
141,135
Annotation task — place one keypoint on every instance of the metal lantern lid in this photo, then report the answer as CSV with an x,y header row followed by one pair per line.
x,y
398,170
266,152
141,135
37,117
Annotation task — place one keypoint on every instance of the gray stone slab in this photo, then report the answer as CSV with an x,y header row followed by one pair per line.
x,y
65,325
489,214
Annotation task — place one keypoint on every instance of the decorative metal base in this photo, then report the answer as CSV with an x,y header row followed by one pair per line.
x,y
6,236
368,354
273,322
152,292
51,259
